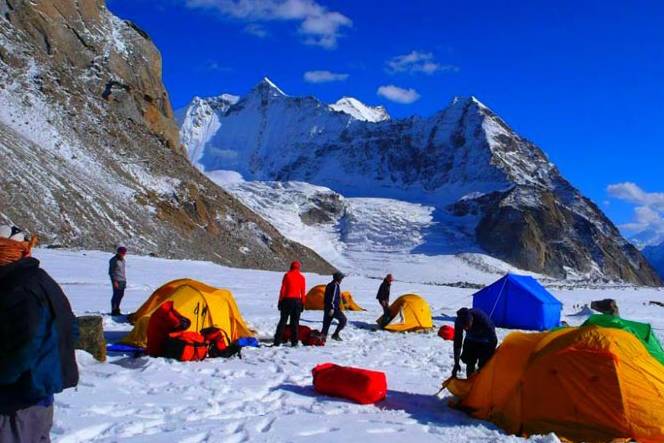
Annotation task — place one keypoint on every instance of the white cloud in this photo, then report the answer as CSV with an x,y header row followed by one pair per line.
x,y
397,94
256,29
647,226
318,25
418,62
324,76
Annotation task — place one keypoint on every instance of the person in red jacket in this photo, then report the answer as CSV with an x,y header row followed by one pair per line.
x,y
291,303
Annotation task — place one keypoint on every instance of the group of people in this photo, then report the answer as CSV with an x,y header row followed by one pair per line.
x,y
474,350
39,332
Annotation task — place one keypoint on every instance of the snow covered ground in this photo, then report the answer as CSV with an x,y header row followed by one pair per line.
x,y
268,396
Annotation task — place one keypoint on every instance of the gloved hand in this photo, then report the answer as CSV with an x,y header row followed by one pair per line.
x,y
185,323
279,305
457,368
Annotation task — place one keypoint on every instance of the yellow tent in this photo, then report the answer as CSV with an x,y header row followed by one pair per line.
x,y
203,305
316,300
585,384
410,312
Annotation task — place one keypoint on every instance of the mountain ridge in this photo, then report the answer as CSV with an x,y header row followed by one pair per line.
x,y
464,159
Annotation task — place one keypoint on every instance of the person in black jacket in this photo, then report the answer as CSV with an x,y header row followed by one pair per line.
x,y
37,335
480,343
383,298
332,308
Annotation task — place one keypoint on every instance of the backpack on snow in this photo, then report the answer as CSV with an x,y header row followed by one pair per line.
x,y
186,346
219,343
315,338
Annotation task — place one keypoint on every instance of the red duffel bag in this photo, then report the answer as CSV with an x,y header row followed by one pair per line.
x,y
302,333
359,385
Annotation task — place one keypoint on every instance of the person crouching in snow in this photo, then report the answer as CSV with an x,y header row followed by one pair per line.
x,y
291,303
383,298
480,343
116,270
36,341
332,308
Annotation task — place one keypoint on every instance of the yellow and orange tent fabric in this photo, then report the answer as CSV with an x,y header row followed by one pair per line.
x,y
584,384
203,305
316,300
410,312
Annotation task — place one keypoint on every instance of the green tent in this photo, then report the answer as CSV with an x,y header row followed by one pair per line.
x,y
642,331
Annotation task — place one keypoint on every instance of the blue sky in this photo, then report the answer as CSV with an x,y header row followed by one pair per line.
x,y
582,79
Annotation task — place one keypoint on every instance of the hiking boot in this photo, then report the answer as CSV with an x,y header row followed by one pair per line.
x,y
294,345
336,337
116,312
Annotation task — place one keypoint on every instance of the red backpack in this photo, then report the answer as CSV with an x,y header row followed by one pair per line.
x,y
185,346
302,333
219,343
315,338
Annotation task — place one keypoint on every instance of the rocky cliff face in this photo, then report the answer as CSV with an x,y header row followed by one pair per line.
x,y
90,148
655,255
465,160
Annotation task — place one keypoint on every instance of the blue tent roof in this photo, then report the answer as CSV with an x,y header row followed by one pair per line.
x,y
519,302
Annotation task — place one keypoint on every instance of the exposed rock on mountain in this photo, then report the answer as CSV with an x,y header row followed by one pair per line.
x,y
655,255
90,148
465,160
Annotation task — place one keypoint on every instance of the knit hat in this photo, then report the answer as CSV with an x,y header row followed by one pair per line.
x,y
338,276
13,245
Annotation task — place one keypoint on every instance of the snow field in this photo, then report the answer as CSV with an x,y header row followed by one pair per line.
x,y
268,395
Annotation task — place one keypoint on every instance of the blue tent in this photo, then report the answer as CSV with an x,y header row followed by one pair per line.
x,y
519,302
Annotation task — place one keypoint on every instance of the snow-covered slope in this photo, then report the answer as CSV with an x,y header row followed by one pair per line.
x,y
464,161
360,111
268,395
90,150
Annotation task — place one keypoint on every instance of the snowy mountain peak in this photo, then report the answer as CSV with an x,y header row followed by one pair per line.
x,y
360,111
268,86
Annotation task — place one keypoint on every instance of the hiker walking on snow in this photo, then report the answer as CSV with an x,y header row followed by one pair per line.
x,y
291,303
332,308
480,343
116,270
383,298
37,342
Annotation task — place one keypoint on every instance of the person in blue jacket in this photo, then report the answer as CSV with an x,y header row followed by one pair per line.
x,y
480,342
332,307
37,336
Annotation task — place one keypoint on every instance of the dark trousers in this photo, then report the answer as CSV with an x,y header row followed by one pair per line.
x,y
385,319
118,293
32,424
289,307
476,353
327,321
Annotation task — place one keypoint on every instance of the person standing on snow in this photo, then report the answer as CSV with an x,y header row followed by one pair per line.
x,y
480,343
291,303
383,298
332,308
116,270
36,342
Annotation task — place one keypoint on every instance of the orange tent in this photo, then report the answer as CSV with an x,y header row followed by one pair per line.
x,y
316,300
584,384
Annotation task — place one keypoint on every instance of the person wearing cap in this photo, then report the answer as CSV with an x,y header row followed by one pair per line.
x,y
332,307
383,298
480,342
116,270
37,340
292,297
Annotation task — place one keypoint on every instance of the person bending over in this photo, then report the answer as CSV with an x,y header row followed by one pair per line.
x,y
480,342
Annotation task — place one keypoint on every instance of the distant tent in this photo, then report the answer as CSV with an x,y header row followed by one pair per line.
x,y
642,331
584,384
519,302
202,304
409,312
316,300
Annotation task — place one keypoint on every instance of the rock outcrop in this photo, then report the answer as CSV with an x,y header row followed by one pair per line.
x,y
91,152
